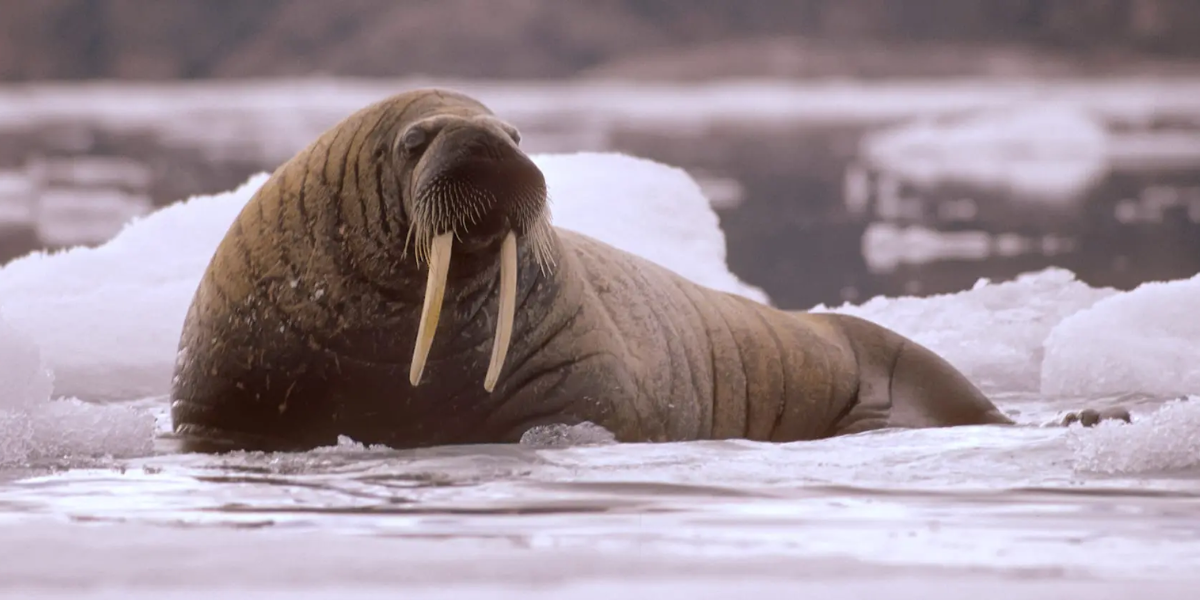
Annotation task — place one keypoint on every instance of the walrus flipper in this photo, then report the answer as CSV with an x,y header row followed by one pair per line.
x,y
904,384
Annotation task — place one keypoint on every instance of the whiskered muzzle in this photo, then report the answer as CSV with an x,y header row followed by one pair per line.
x,y
452,209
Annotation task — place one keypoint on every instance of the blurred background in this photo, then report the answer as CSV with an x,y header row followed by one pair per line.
x,y
850,147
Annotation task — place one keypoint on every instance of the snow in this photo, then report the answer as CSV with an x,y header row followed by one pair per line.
x,y
1047,153
105,321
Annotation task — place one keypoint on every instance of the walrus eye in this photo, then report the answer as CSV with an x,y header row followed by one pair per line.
x,y
515,135
414,139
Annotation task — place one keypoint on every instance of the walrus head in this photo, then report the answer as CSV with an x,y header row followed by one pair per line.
x,y
467,187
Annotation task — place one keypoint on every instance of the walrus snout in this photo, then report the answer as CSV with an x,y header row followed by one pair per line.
x,y
475,182
472,187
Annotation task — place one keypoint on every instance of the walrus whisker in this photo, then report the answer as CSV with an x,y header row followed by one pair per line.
x,y
407,239
540,237
435,290
507,310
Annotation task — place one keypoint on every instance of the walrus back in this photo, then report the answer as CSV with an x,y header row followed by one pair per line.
x,y
713,365
725,366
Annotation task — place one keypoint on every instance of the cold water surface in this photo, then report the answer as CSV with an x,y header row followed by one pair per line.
x,y
1121,502
92,500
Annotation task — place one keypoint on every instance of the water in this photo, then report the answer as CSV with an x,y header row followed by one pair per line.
x,y
786,163
1015,505
988,512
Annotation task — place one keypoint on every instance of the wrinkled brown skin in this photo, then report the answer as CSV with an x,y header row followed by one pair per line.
x,y
303,325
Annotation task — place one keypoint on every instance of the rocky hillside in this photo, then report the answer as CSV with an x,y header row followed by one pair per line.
x,y
156,39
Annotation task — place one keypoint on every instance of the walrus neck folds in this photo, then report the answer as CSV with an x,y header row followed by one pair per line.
x,y
470,183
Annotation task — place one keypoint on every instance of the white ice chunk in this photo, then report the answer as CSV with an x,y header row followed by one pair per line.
x,y
653,210
1146,340
993,332
107,319
34,428
1050,153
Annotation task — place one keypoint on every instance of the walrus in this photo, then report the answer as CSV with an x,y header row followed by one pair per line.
x,y
399,282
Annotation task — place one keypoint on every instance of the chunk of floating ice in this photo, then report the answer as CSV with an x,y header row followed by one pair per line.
x,y
24,380
1048,153
644,207
1146,340
33,428
561,436
1167,439
107,319
992,332
24,384
71,429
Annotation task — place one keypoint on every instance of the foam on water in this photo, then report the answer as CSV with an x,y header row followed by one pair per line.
x,y
549,436
1164,440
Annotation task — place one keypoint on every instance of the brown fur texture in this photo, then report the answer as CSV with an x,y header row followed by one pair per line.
x,y
302,328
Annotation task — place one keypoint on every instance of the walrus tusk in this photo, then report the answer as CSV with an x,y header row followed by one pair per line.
x,y
435,289
508,309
